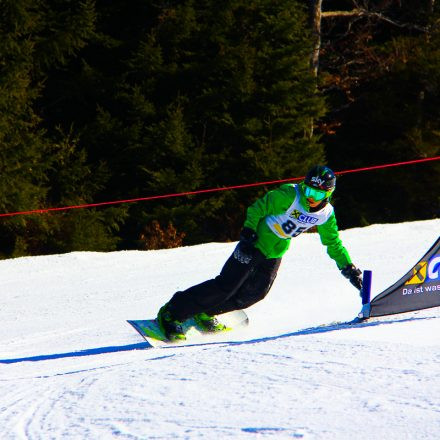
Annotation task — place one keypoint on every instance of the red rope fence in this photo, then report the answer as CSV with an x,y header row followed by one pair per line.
x,y
211,190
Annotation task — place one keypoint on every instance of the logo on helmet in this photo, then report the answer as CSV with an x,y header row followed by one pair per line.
x,y
318,180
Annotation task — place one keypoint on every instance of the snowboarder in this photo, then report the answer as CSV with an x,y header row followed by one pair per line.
x,y
248,274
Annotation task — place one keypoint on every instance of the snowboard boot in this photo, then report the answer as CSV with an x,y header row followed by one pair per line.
x,y
171,327
208,323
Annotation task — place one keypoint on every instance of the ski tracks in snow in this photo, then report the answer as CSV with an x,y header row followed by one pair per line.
x,y
40,407
298,386
71,368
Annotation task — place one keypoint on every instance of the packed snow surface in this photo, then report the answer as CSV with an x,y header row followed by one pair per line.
x,y
72,368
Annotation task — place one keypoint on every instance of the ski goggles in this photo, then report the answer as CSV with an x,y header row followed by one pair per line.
x,y
315,193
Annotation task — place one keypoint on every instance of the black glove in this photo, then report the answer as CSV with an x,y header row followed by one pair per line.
x,y
245,247
353,274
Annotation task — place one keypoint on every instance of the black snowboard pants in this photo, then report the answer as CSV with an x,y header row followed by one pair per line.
x,y
238,286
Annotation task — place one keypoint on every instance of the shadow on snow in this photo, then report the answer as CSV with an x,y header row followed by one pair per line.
x,y
88,352
332,327
140,346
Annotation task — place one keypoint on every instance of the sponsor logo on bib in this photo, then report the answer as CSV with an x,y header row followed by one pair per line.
x,y
303,218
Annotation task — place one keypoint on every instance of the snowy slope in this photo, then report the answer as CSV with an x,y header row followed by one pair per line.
x,y
71,368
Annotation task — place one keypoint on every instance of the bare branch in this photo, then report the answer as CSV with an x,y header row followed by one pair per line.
x,y
360,12
396,23
352,13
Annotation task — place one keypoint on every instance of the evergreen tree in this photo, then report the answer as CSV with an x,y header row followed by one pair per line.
x,y
40,168
23,149
212,94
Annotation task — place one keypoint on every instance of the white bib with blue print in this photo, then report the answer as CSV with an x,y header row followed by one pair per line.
x,y
296,219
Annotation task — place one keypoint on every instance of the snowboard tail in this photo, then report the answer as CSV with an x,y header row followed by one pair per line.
x,y
149,329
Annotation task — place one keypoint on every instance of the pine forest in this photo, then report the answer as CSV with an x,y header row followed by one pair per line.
x,y
114,100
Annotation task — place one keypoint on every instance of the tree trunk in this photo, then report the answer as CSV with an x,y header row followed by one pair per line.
x,y
315,18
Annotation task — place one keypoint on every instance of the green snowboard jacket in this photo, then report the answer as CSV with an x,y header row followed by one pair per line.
x,y
283,214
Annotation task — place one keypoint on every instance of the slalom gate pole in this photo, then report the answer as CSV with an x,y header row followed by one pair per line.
x,y
366,294
366,287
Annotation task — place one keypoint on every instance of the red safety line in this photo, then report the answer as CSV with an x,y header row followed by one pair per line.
x,y
210,190
396,164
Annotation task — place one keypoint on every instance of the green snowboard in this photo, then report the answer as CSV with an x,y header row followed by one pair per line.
x,y
150,331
